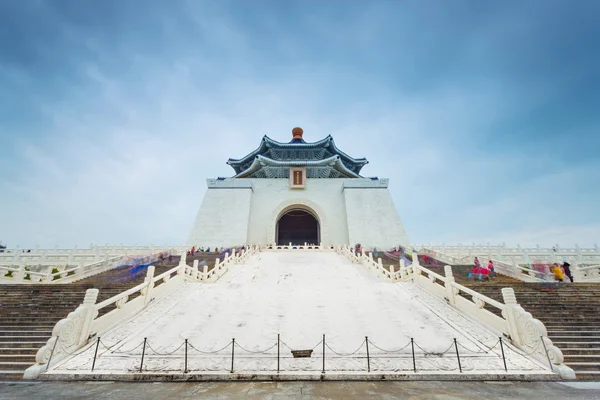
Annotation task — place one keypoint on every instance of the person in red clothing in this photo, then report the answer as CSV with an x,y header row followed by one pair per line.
x,y
485,273
491,268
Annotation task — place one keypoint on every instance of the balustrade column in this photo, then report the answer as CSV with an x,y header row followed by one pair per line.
x,y
449,284
149,284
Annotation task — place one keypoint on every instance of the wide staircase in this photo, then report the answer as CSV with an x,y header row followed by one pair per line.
x,y
570,312
28,313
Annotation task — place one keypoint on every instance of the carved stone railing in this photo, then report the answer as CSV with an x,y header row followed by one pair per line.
x,y
75,331
444,258
305,247
238,256
588,274
74,256
22,274
524,331
366,259
521,255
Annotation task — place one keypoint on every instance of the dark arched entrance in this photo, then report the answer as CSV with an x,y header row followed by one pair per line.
x,y
298,227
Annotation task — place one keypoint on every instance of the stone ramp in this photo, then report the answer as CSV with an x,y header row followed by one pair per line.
x,y
29,312
569,311
301,296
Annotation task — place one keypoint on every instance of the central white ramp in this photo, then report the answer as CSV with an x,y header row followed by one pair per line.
x,y
301,296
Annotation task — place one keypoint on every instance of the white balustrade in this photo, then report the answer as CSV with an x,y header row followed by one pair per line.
x,y
510,320
76,268
519,262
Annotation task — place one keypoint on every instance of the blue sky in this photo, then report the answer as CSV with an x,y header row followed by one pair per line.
x,y
484,115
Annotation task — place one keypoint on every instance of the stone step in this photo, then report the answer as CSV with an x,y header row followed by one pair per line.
x,y
575,338
14,366
591,375
28,344
581,351
25,333
564,345
23,338
582,366
574,332
25,358
10,375
26,327
19,350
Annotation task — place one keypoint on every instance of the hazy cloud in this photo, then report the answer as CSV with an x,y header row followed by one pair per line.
x,y
114,113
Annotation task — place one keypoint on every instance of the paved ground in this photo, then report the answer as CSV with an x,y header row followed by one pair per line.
x,y
300,390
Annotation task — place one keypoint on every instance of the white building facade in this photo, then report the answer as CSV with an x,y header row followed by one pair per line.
x,y
298,193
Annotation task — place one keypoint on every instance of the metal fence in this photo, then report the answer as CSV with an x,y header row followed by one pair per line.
x,y
323,357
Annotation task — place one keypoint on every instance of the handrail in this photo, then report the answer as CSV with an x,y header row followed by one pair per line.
x,y
483,297
121,295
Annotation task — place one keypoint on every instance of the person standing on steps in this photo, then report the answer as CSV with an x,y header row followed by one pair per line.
x,y
567,268
558,274
476,263
491,268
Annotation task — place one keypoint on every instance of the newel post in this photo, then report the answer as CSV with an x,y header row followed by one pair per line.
x,y
403,272
511,313
183,258
449,284
195,271
415,263
147,291
89,312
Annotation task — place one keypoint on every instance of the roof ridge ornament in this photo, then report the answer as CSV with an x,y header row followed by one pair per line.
x,y
297,133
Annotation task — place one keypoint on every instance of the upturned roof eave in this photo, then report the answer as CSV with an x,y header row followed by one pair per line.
x,y
260,161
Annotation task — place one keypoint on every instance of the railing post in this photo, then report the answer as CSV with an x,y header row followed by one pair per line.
x,y
95,353
52,352
205,271
323,354
195,271
457,356
503,357
449,284
278,341
412,345
232,353
185,367
143,352
546,352
368,359
149,284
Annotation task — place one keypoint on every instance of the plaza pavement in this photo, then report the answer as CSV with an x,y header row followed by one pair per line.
x,y
300,390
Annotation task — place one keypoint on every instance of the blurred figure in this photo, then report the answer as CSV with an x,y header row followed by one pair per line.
x,y
491,268
558,274
567,268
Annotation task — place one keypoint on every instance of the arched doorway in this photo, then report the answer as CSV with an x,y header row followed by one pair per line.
x,y
298,226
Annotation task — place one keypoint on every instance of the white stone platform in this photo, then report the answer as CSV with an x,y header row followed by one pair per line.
x,y
300,296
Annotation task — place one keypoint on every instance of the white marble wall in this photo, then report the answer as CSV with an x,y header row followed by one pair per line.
x,y
222,219
373,220
245,211
272,197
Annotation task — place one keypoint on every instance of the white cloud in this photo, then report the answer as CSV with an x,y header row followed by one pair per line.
x,y
125,153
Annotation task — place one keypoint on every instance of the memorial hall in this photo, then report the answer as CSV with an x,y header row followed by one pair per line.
x,y
298,192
